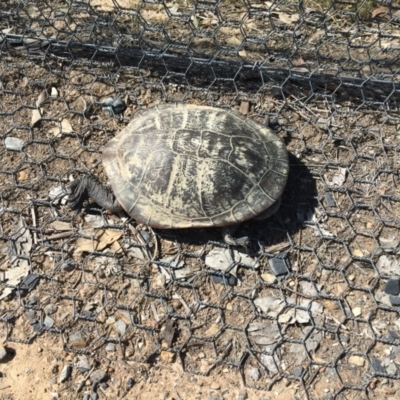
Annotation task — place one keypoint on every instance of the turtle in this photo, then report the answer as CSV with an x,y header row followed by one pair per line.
x,y
178,166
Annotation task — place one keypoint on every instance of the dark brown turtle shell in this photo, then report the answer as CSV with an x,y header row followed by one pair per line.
x,y
183,166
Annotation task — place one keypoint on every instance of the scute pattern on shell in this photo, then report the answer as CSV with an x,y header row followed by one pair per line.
x,y
181,166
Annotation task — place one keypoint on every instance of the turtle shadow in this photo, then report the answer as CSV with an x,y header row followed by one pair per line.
x,y
299,200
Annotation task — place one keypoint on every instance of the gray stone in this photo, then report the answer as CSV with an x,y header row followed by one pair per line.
x,y
65,373
50,309
278,266
82,363
395,301
120,326
3,353
393,286
242,395
330,201
48,322
98,376
298,372
110,347
77,340
224,278
13,143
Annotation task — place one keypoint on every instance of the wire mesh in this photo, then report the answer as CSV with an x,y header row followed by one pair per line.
x,y
306,310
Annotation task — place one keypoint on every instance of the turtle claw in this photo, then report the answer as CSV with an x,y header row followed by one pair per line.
x,y
78,194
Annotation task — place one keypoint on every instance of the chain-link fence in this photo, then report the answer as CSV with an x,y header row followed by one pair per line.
x,y
311,309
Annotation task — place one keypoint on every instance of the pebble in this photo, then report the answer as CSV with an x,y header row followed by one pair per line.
x,y
224,278
31,314
77,340
167,356
114,106
377,365
391,369
357,360
356,311
269,278
254,374
393,286
82,363
3,353
110,347
298,372
130,382
215,386
50,309
120,326
68,266
65,373
13,143
278,266
330,201
242,395
98,376
394,301
159,281
48,322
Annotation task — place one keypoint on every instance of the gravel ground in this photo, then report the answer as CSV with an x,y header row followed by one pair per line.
x,y
94,305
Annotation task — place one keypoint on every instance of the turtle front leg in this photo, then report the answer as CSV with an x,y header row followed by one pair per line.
x,y
228,232
89,186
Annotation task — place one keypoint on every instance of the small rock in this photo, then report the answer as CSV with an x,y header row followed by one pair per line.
x,y
377,365
120,326
110,347
50,309
215,386
82,363
330,201
130,382
356,311
323,123
167,356
114,106
68,266
254,373
391,369
32,300
224,278
98,376
269,278
48,322
394,301
298,372
393,286
31,314
3,353
357,360
242,395
65,373
159,281
13,143
278,266
77,340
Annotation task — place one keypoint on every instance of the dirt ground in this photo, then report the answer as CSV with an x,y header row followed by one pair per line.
x,y
95,305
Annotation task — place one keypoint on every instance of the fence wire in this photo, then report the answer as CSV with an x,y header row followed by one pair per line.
x,y
312,307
